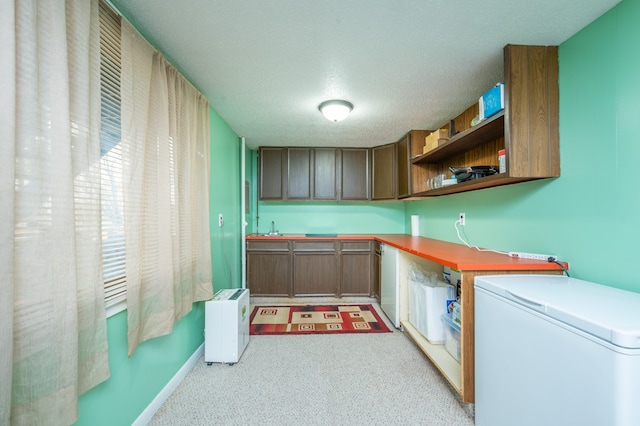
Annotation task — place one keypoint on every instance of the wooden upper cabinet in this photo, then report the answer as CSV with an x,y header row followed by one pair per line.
x,y
325,174
384,172
299,178
272,173
321,174
409,146
531,111
527,129
354,165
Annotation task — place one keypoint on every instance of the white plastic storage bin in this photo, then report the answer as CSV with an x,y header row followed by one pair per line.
x,y
427,302
452,336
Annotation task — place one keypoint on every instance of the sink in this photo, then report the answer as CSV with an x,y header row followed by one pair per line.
x,y
272,234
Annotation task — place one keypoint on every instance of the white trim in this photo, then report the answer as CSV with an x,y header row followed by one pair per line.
x,y
243,217
117,307
168,389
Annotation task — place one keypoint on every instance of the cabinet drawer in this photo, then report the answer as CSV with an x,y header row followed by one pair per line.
x,y
268,246
356,246
313,246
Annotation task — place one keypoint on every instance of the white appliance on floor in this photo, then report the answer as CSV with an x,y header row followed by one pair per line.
x,y
389,283
226,326
552,350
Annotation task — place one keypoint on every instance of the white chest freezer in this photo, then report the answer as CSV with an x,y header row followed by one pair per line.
x,y
226,326
552,350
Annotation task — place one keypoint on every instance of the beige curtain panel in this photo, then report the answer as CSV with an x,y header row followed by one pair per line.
x,y
53,341
165,148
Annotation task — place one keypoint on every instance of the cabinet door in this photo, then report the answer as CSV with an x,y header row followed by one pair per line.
x,y
314,274
314,268
269,273
355,174
299,173
384,172
409,146
324,174
404,183
272,161
377,253
356,268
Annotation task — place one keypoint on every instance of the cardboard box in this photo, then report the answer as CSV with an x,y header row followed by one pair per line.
x,y
435,139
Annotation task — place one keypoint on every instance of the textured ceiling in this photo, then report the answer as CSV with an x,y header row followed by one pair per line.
x,y
413,64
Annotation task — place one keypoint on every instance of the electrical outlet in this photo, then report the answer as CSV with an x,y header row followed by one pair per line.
x,y
461,219
220,219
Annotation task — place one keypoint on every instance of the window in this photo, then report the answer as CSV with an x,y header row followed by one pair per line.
x,y
113,243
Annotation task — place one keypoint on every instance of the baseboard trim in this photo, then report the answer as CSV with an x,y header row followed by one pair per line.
x,y
157,402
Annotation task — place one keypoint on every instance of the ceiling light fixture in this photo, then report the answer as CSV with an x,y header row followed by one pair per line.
x,y
336,109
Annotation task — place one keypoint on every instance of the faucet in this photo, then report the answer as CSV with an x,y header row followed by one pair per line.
x,y
273,231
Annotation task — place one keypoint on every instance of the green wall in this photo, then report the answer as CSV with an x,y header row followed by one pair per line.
x,y
587,216
342,218
136,381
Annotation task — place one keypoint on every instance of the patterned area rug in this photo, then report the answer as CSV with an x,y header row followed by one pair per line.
x,y
316,319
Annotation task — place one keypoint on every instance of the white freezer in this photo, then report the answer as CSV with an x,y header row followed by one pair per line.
x,y
552,350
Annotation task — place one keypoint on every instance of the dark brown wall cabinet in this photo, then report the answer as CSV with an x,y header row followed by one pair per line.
x,y
356,175
321,174
383,161
409,146
325,172
272,173
299,169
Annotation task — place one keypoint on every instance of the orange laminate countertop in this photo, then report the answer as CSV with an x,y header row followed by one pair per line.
x,y
454,255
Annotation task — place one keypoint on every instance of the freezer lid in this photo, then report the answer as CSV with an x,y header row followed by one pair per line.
x,y
606,312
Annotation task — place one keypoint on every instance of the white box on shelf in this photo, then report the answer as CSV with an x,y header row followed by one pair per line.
x,y
428,301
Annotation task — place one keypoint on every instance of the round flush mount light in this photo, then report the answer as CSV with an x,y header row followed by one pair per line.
x,y
336,109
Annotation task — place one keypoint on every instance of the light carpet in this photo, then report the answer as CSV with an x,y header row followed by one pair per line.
x,y
345,379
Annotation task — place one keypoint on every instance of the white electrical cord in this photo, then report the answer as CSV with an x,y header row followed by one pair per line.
x,y
455,225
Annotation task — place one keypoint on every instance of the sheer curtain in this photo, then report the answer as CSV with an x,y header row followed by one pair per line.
x,y
53,342
165,145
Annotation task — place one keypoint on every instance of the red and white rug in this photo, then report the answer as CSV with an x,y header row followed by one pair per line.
x,y
316,319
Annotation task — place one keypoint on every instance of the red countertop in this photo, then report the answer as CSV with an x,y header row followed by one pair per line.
x,y
454,255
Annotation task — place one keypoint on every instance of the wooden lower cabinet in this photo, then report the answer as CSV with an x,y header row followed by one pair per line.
x,y
312,268
315,268
269,268
356,268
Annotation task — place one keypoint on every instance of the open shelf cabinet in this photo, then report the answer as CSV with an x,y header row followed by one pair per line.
x,y
527,129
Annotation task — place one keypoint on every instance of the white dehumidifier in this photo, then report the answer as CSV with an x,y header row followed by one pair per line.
x,y
226,326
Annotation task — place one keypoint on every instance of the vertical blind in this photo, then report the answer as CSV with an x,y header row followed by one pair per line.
x,y
113,241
